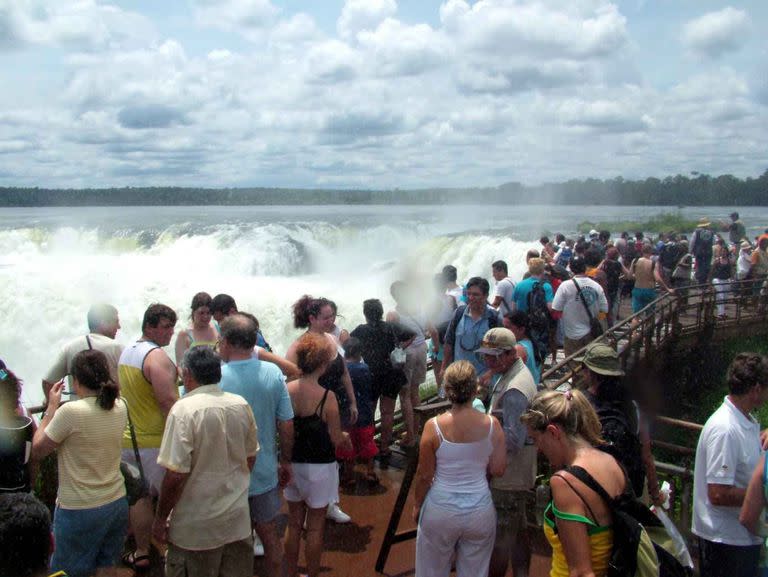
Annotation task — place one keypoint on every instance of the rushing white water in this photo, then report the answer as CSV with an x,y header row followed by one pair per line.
x,y
56,262
51,275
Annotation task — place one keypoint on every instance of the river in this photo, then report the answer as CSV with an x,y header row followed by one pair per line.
x,y
55,262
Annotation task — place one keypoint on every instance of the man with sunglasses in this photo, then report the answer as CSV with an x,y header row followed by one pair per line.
x,y
470,322
510,393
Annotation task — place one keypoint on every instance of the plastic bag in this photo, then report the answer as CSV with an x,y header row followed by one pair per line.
x,y
397,358
678,547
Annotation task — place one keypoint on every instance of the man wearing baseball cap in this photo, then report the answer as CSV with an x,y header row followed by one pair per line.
x,y
511,390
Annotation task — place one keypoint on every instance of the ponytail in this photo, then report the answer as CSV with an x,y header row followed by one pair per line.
x,y
91,370
108,393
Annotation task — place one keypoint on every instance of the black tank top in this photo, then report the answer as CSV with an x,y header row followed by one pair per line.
x,y
15,448
333,380
311,441
721,269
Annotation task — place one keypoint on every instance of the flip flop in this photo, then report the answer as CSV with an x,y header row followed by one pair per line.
x,y
139,564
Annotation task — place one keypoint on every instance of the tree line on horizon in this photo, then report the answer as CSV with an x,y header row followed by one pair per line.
x,y
679,190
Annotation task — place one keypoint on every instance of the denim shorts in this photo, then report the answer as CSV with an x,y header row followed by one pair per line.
x,y
265,507
89,538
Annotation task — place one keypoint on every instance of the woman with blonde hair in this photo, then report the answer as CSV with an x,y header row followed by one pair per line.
x,y
577,522
452,500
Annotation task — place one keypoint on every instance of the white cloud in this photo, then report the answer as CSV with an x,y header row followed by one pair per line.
x,y
399,50
716,33
357,15
81,25
248,17
491,91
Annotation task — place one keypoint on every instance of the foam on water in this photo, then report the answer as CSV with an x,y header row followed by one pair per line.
x,y
50,276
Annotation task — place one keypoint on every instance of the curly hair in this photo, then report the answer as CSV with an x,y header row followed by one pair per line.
x,y
312,352
746,371
308,306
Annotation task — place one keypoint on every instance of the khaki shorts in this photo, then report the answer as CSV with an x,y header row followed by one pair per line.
x,y
415,368
231,560
153,472
511,508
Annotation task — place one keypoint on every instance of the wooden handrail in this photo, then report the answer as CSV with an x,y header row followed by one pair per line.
x,y
680,423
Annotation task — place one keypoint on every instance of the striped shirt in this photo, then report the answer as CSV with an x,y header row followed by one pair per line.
x,y
89,453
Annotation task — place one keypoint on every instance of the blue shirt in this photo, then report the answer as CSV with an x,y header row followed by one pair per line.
x,y
531,362
362,383
262,384
523,289
467,334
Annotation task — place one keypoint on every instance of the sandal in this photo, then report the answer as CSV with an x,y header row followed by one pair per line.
x,y
371,478
139,564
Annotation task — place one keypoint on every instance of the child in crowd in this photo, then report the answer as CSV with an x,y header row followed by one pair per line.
x,y
362,431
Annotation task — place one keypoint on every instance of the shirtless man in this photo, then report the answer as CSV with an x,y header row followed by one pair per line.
x,y
646,273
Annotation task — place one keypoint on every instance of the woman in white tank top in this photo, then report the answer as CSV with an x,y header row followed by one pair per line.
x,y
452,502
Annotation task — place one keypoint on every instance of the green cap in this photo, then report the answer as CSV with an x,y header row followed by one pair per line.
x,y
602,359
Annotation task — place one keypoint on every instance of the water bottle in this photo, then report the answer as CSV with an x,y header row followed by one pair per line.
x,y
441,392
543,497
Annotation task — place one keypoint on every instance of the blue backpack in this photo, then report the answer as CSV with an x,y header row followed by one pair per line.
x,y
540,321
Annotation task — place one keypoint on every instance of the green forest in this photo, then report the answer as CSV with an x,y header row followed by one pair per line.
x,y
679,190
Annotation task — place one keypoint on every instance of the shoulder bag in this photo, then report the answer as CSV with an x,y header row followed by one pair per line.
x,y
595,327
136,485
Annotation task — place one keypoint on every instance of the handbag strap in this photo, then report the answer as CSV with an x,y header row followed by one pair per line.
x,y
133,441
583,302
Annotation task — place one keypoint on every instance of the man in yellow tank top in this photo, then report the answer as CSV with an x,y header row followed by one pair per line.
x,y
148,383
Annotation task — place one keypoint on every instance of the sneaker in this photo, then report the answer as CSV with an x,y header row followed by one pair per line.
x,y
258,546
336,515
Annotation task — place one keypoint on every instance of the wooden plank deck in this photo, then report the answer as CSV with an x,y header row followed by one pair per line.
x,y
351,549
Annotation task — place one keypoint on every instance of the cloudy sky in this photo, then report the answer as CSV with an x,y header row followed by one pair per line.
x,y
379,93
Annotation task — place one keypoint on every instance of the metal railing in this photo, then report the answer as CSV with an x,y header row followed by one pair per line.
x,y
686,312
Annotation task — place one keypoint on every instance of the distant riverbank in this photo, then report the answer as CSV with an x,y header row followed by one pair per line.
x,y
679,190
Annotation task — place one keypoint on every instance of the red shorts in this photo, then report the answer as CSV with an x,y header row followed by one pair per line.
x,y
363,446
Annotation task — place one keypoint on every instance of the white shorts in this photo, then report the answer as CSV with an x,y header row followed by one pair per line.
x,y
317,484
153,472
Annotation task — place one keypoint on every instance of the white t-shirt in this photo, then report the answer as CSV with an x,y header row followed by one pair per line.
x,y
62,366
505,288
575,320
727,453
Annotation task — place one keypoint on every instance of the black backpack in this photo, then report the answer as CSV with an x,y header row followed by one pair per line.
x,y
641,544
622,443
540,322
669,255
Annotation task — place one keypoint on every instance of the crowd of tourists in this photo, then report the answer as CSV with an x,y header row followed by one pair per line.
x,y
195,458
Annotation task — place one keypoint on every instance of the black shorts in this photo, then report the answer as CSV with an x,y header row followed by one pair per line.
x,y
388,384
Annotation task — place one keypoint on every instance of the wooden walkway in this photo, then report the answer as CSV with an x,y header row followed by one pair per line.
x,y
351,549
